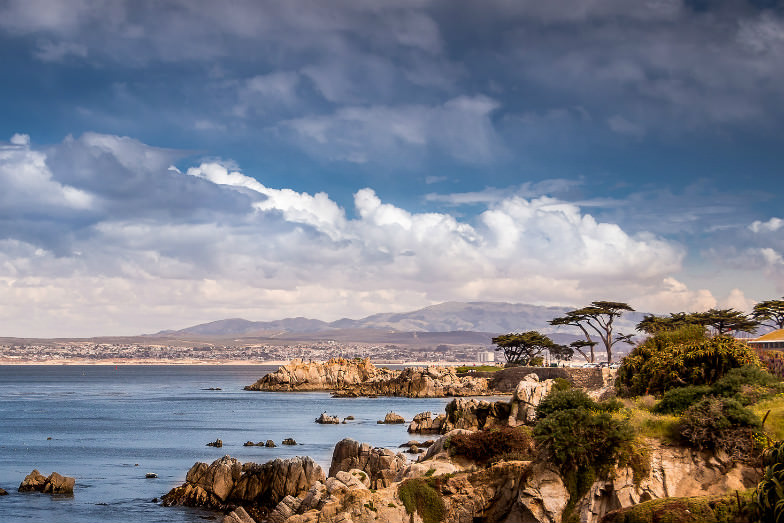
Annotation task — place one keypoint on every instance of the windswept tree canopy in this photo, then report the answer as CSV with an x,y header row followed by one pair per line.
x,y
770,313
652,324
597,319
521,348
721,320
727,320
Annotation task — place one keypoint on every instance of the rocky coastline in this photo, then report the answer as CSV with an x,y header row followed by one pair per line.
x,y
354,378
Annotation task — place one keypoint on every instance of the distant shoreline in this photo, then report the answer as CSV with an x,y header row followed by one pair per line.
x,y
279,363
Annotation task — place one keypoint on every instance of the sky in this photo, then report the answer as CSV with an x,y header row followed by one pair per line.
x,y
168,163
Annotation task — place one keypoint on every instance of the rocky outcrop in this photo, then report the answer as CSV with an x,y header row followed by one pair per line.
x,y
525,398
335,374
217,443
228,482
422,382
344,498
381,465
675,472
288,441
354,378
472,414
238,515
3,492
52,484
424,423
392,419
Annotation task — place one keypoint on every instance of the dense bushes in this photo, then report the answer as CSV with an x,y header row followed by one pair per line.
x,y
720,424
680,358
746,385
489,446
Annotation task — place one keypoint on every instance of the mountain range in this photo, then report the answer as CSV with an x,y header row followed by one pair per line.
x,y
479,316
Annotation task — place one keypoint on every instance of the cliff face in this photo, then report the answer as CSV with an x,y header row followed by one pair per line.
x,y
362,378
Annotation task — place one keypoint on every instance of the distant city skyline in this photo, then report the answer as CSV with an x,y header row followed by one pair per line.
x,y
170,163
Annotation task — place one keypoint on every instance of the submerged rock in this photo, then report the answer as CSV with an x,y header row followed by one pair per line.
x,y
53,484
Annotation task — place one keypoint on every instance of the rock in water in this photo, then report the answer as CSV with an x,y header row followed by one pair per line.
x,y
382,465
228,482
217,443
326,419
3,492
353,378
393,419
289,441
54,484
271,444
335,374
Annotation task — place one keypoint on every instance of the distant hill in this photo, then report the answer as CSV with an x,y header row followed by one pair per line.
x,y
478,317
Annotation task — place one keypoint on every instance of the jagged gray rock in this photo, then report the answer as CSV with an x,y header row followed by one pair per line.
x,y
380,464
227,481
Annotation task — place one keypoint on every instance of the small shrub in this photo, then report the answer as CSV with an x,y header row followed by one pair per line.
x,y
560,400
419,497
486,446
560,384
747,384
720,424
675,401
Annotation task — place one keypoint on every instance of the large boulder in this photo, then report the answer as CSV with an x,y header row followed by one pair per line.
x,y
526,397
228,482
380,464
238,515
53,484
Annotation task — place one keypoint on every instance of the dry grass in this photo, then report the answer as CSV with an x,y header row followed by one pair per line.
x,y
774,424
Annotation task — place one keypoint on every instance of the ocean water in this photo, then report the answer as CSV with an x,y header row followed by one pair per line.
x,y
111,425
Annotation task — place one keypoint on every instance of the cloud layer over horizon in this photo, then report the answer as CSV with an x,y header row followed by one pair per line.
x,y
86,234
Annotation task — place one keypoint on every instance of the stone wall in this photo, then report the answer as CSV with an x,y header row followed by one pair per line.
x,y
507,379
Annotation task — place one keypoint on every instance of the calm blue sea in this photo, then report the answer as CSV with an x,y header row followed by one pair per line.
x,y
110,425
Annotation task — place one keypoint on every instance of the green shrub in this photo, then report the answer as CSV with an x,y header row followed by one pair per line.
x,y
560,384
679,358
559,400
676,401
579,438
419,497
768,498
488,446
747,384
720,424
